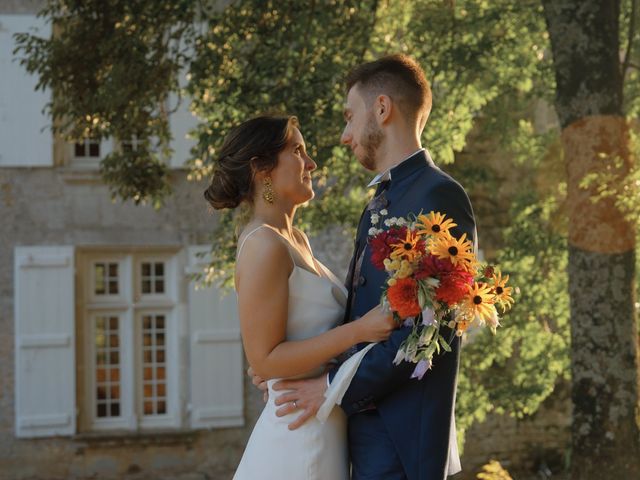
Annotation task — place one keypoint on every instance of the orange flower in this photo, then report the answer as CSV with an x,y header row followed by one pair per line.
x,y
434,224
502,292
410,248
403,297
457,251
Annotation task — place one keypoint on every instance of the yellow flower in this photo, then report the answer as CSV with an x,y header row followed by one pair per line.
x,y
407,249
434,224
405,269
478,305
458,251
502,292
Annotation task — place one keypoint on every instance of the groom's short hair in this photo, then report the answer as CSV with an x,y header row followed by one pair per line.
x,y
398,76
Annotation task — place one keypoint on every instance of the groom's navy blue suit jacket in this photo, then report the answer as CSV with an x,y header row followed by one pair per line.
x,y
416,413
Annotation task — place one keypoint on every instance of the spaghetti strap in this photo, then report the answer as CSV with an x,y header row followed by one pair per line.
x,y
255,230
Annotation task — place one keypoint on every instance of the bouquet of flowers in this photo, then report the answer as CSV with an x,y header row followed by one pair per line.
x,y
435,280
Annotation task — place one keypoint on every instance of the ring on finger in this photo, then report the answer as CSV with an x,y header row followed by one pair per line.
x,y
295,405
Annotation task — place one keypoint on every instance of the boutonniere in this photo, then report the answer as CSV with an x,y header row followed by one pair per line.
x,y
378,203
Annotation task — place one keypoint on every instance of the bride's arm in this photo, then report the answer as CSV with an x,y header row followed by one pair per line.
x,y
262,283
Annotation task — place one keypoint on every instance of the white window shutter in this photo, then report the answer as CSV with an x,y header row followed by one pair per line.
x,y
216,370
25,138
44,341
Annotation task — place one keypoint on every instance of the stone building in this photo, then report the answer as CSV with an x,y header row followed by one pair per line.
x,y
112,363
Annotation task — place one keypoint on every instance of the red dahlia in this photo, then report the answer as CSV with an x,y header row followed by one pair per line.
x,y
454,286
381,245
432,266
403,297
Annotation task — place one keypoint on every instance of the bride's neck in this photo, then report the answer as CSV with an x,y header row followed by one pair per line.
x,y
274,216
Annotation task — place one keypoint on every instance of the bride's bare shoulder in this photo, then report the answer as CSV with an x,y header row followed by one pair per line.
x,y
260,246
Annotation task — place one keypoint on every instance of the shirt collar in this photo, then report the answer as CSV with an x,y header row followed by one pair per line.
x,y
386,175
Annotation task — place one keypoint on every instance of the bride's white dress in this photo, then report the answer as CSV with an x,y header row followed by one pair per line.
x,y
318,449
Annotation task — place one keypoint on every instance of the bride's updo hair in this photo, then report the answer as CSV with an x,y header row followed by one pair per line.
x,y
250,147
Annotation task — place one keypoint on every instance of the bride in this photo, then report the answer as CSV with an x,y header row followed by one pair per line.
x,y
290,305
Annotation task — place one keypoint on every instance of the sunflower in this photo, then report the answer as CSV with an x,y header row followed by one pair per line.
x,y
502,292
434,224
478,305
457,251
411,248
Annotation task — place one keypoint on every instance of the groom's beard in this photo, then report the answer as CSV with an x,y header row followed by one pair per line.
x,y
371,140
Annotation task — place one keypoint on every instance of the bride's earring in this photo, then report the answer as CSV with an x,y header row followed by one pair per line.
x,y
267,191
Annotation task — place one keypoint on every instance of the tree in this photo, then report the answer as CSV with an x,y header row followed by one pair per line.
x,y
585,42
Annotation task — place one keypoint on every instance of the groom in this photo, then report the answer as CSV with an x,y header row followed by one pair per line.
x,y
399,427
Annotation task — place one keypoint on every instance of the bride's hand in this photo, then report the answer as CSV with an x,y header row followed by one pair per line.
x,y
260,383
376,325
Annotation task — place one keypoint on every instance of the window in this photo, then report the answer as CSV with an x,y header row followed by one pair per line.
x,y
129,324
85,155
120,339
132,144
87,149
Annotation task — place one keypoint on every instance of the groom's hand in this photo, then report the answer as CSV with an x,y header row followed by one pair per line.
x,y
306,395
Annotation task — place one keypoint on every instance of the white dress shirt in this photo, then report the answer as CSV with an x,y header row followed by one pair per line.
x,y
386,175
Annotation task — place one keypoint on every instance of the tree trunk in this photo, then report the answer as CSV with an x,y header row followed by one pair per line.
x,y
604,338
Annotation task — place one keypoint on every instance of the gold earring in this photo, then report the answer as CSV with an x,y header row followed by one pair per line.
x,y
267,191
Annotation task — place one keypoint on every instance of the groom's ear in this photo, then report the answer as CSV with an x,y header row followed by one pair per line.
x,y
382,108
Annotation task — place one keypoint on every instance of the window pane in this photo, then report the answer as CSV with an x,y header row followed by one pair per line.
x,y
101,358
146,269
159,269
114,392
94,149
102,392
99,275
79,150
146,286
113,270
154,368
113,287
159,286
107,371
